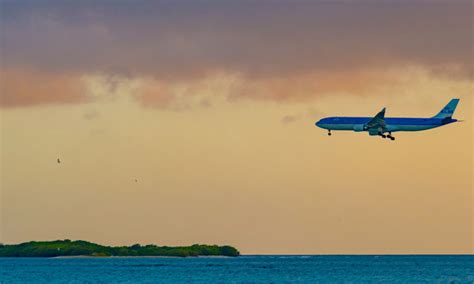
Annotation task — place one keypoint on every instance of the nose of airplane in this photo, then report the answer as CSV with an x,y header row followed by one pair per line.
x,y
318,123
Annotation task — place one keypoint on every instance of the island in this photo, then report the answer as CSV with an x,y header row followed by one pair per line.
x,y
68,248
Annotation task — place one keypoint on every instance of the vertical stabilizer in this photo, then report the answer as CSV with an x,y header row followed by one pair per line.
x,y
448,110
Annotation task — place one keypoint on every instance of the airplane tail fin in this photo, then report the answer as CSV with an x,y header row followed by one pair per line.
x,y
448,110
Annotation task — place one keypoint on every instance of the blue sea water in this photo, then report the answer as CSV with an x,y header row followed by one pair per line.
x,y
244,269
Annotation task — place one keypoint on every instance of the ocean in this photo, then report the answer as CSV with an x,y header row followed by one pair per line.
x,y
244,269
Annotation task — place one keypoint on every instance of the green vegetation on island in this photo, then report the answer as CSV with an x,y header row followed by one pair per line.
x,y
83,248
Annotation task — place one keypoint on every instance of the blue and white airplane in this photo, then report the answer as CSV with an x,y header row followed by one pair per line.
x,y
379,125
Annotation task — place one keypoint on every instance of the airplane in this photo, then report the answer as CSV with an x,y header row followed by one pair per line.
x,y
379,125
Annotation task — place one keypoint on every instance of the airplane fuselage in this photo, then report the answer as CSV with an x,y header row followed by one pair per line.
x,y
392,124
380,125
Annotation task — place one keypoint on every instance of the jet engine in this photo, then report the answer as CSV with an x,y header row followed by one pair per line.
x,y
374,132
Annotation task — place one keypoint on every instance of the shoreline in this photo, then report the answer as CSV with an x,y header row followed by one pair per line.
x,y
132,256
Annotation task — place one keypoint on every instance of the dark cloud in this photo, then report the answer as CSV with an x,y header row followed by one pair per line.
x,y
280,50
267,38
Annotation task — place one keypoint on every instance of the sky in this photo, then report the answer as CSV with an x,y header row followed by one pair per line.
x,y
210,106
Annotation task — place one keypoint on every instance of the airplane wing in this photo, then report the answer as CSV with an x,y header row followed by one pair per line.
x,y
377,123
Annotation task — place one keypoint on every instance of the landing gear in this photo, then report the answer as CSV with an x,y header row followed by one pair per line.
x,y
329,132
387,136
390,136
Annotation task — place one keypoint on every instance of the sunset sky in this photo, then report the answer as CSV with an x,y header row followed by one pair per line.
x,y
211,106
